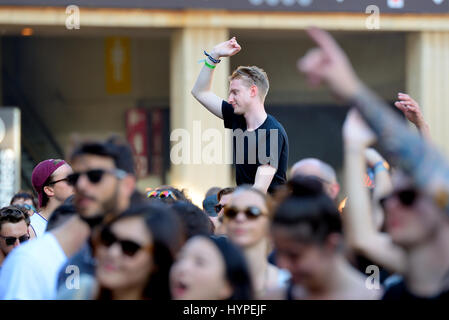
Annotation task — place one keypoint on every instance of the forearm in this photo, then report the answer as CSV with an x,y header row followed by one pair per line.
x,y
423,128
403,147
357,219
204,81
264,176
383,185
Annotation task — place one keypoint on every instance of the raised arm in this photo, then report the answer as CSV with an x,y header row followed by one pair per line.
x,y
202,88
360,231
402,146
410,108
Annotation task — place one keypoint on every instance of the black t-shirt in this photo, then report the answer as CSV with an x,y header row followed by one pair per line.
x,y
399,291
270,138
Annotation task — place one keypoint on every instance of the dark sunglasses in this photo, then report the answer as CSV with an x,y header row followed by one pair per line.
x,y
406,197
218,207
54,182
161,194
128,247
250,212
10,241
94,175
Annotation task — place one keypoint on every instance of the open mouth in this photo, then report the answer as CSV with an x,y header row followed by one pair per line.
x,y
180,288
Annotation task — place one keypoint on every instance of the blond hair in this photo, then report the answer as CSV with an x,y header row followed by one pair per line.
x,y
253,76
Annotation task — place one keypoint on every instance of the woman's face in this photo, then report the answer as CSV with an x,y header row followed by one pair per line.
x,y
117,270
309,264
199,272
243,230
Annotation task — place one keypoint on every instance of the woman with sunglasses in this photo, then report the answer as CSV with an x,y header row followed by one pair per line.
x,y
247,219
307,234
210,268
134,254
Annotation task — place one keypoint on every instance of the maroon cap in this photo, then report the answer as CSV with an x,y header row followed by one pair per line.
x,y
41,173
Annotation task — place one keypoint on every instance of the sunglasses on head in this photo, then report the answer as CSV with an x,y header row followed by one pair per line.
x,y
94,175
25,207
250,212
406,197
10,241
128,247
161,194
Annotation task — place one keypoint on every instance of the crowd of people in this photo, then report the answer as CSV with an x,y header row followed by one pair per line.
x,y
91,234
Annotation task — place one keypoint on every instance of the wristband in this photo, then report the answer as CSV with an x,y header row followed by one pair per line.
x,y
378,167
212,59
209,65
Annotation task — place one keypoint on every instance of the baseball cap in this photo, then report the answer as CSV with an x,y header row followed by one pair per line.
x,y
41,173
209,205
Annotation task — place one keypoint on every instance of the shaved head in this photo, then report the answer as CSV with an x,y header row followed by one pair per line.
x,y
317,168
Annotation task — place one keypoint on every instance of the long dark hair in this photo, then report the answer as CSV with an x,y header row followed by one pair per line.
x,y
236,268
307,211
167,234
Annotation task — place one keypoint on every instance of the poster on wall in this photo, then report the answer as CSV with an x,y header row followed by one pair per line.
x,y
137,136
9,154
118,65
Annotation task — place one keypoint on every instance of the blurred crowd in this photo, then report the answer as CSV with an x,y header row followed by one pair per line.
x,y
90,234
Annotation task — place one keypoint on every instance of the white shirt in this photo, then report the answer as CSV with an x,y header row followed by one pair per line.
x,y
39,224
30,271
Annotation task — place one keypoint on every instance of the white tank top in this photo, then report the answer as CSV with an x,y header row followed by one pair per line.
x,y
38,223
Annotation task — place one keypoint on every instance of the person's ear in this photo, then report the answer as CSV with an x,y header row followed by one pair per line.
x,y
49,191
128,185
254,91
335,189
333,242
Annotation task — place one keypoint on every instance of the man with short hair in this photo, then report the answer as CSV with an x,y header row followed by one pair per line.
x,y
223,196
26,201
49,179
260,143
321,170
14,231
104,182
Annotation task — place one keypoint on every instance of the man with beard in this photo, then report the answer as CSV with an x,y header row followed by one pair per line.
x,y
97,197
104,181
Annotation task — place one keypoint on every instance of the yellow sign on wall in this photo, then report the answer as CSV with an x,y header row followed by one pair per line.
x,y
118,65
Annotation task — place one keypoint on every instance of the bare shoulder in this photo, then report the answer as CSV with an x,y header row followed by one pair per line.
x,y
274,294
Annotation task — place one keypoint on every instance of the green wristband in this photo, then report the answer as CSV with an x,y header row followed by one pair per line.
x,y
209,65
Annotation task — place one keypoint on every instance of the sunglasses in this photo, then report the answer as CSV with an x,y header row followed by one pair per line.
x,y
406,197
94,175
26,207
250,212
54,182
161,194
29,207
10,241
218,207
128,247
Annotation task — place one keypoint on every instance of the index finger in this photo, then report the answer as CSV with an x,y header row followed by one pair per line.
x,y
323,39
